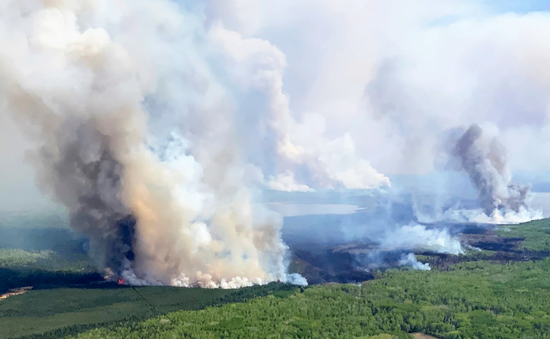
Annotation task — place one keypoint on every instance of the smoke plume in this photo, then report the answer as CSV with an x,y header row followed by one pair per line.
x,y
306,157
483,158
410,260
157,122
394,248
140,148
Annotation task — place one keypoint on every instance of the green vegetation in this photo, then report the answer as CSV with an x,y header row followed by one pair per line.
x,y
39,256
468,255
535,235
473,300
34,219
45,260
503,293
10,279
57,313
20,268
21,258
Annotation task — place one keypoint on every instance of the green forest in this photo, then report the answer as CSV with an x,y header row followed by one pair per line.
x,y
473,300
498,293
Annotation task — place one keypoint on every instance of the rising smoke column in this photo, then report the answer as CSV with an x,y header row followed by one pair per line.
x,y
484,160
307,159
87,80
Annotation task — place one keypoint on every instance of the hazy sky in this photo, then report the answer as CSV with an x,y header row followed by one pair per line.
x,y
315,84
17,188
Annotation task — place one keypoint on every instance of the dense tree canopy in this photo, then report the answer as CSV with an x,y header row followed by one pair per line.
x,y
472,300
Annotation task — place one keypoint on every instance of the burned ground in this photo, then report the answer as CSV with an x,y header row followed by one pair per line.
x,y
345,263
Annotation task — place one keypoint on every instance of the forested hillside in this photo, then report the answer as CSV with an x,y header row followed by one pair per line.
x,y
499,293
472,300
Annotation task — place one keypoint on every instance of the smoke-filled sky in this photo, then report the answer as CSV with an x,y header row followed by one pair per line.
x,y
344,94
157,123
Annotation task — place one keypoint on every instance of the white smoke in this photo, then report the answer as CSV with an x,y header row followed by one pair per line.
x,y
345,81
301,146
286,182
136,139
395,246
421,238
410,260
477,215
391,76
296,279
151,115
376,260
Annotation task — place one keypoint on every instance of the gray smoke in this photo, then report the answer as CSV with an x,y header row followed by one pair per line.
x,y
154,120
483,158
86,177
149,172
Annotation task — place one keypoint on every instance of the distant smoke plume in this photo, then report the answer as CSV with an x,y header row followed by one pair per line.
x,y
394,248
410,260
161,196
380,260
306,158
156,120
418,237
483,158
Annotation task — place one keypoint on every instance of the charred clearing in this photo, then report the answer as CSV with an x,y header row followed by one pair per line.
x,y
345,263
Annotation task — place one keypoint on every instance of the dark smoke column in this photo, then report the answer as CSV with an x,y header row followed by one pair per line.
x,y
80,170
484,160
77,77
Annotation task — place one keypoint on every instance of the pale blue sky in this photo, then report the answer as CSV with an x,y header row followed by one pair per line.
x,y
519,6
497,7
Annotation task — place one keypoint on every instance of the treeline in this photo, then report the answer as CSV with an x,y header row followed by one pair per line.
x,y
14,278
19,268
472,300
535,235
159,301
